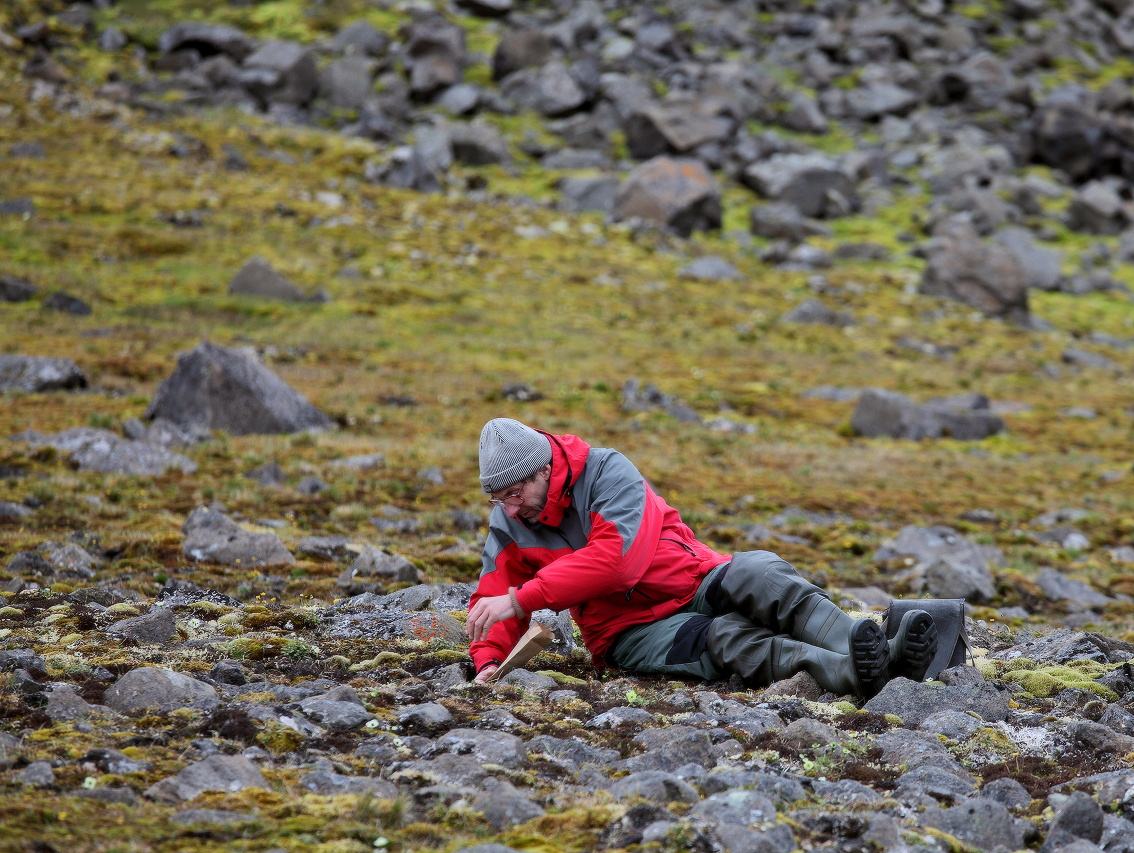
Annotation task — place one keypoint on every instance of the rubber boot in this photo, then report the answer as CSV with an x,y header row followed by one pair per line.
x,y
759,657
829,627
914,646
767,590
833,672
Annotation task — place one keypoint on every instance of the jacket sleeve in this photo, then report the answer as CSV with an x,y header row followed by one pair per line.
x,y
502,567
626,523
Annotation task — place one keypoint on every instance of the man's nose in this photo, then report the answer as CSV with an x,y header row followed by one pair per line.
x,y
512,510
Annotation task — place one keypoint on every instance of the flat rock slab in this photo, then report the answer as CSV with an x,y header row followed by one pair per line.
x,y
394,624
34,374
915,702
148,688
156,627
212,537
229,773
486,747
656,787
103,452
216,388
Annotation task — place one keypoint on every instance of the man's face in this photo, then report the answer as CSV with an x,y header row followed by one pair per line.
x,y
527,498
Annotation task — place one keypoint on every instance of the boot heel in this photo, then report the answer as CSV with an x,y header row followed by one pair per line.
x,y
870,652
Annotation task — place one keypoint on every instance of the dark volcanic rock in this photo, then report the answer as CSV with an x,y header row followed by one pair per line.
x,y
230,773
207,40
229,389
435,55
104,452
815,185
212,537
68,304
258,278
35,373
915,702
14,289
518,49
960,266
159,689
281,72
888,413
678,193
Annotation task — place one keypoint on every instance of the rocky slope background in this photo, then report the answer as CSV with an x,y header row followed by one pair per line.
x,y
848,281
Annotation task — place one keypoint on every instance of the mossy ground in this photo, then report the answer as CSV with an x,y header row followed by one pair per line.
x,y
440,299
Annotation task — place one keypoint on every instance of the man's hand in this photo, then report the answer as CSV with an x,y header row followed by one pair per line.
x,y
486,673
486,613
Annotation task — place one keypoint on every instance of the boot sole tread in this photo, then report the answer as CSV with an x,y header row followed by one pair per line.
x,y
919,648
870,651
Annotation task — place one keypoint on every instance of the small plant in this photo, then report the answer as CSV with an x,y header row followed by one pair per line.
x,y
98,420
299,650
635,699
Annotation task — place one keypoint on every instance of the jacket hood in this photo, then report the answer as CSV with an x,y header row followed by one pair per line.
x,y
568,456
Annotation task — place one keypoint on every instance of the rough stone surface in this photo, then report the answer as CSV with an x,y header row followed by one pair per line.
x,y
678,193
147,688
229,773
215,388
36,374
915,702
212,537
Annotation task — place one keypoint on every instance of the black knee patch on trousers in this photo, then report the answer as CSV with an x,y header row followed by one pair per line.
x,y
714,597
690,640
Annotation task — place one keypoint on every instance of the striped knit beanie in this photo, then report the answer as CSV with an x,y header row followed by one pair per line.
x,y
510,452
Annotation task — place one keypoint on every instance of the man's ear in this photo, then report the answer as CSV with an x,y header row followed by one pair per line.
x,y
545,471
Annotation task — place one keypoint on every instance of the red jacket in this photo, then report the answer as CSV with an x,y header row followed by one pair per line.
x,y
606,546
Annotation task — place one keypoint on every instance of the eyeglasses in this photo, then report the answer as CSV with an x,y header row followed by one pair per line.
x,y
516,497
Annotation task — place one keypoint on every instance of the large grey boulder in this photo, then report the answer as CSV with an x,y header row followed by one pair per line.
x,y
887,413
214,387
580,194
228,773
368,623
281,72
783,221
212,537
103,452
36,373
520,48
485,746
347,83
13,289
207,40
551,89
503,806
1066,135
257,277
375,564
960,266
149,688
678,193
675,126
434,55
812,183
156,627
943,562
656,786
915,702
876,100
478,144
1042,267
1098,209
361,38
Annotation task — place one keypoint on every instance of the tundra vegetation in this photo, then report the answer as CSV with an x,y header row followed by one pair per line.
x,y
420,315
